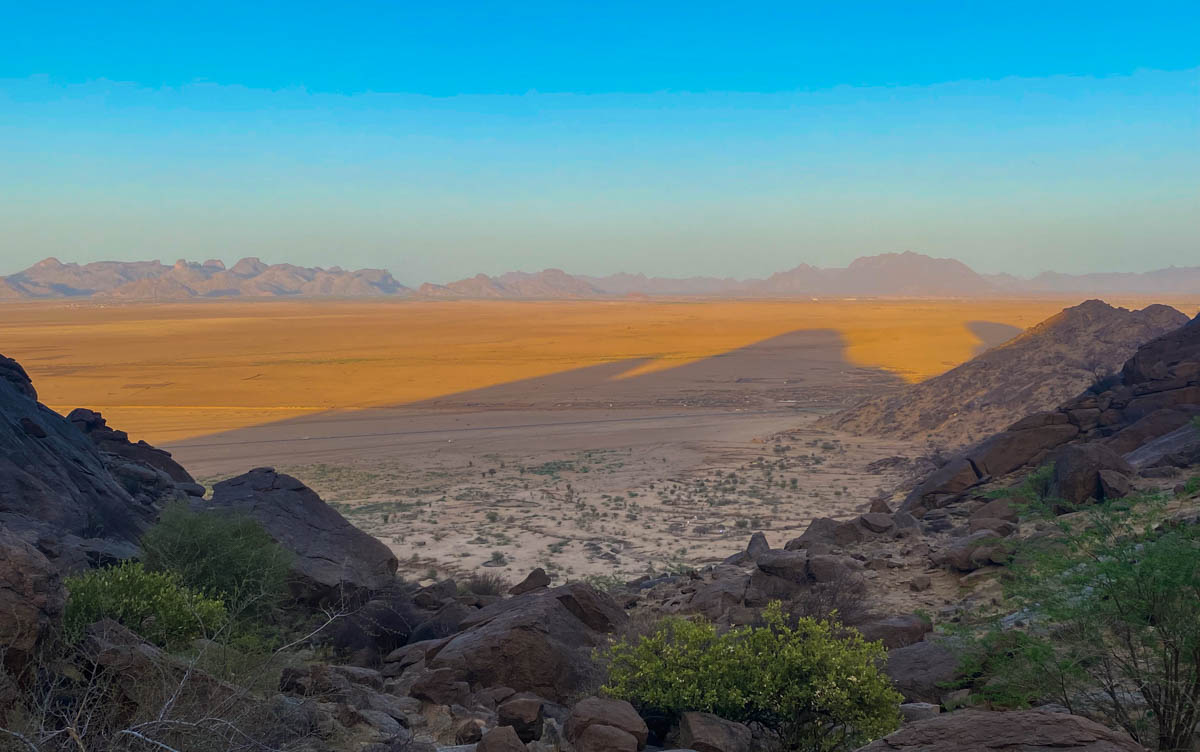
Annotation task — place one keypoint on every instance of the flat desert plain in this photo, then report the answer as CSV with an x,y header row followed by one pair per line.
x,y
593,438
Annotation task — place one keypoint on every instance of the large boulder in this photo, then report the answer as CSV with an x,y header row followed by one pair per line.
x,y
333,560
31,599
597,711
540,642
1086,472
920,670
896,631
1016,731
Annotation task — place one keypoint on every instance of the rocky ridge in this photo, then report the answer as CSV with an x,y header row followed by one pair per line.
x,y
1036,371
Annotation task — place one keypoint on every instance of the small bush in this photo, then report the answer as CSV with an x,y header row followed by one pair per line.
x,y
486,583
156,605
227,557
814,682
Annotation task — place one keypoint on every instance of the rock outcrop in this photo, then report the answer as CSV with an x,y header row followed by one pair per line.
x,y
1156,394
1018,731
117,443
1036,371
333,560
59,492
32,599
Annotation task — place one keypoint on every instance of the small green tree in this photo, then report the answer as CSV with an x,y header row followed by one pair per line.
x,y
156,605
815,682
226,557
1112,604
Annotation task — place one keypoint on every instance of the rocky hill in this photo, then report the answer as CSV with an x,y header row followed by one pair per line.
x,y
903,275
1035,371
151,280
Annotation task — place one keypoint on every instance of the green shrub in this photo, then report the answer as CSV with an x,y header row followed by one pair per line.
x,y
814,682
227,557
156,605
1112,604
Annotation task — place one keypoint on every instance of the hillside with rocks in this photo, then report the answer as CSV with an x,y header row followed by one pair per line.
x,y
371,663
1035,371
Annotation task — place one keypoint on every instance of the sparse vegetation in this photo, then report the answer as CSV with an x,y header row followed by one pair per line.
x,y
1112,604
156,605
815,683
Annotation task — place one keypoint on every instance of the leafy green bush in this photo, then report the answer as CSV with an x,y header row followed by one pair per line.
x,y
227,557
156,605
814,682
1112,604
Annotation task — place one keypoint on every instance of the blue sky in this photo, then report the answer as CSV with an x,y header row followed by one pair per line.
x,y
700,138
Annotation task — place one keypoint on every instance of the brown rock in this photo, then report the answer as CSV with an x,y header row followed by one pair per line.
x,y
919,670
896,631
920,583
618,714
525,713
705,732
997,509
789,565
1077,469
534,580
877,522
32,599
1014,731
441,687
500,739
601,738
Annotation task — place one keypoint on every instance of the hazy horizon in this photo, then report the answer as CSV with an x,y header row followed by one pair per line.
x,y
670,141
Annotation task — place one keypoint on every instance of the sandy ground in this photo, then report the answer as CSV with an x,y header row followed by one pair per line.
x,y
166,372
596,439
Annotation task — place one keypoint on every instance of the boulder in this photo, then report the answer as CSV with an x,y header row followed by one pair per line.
x,y
705,732
441,687
1013,731
919,670
757,546
821,530
1077,473
525,713
997,509
830,568
333,560
979,549
788,565
896,631
540,642
500,739
32,599
619,714
601,738
912,712
534,580
877,522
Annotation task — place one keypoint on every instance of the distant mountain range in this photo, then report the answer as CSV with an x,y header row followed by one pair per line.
x,y
908,274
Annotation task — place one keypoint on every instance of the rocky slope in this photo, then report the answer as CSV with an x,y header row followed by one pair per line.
x,y
1038,370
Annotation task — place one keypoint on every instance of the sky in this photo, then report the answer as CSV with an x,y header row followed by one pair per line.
x,y
440,140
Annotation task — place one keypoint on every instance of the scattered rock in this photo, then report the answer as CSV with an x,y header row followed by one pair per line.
x,y
500,739
613,713
534,580
705,732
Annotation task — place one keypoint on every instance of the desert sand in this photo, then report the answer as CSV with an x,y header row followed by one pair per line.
x,y
594,438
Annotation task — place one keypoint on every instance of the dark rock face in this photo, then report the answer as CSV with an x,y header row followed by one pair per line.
x,y
1017,731
540,642
1087,473
59,492
525,713
705,732
116,442
919,670
333,559
1157,395
31,599
896,631
534,580
500,739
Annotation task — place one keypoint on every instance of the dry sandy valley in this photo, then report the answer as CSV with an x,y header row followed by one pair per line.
x,y
593,438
